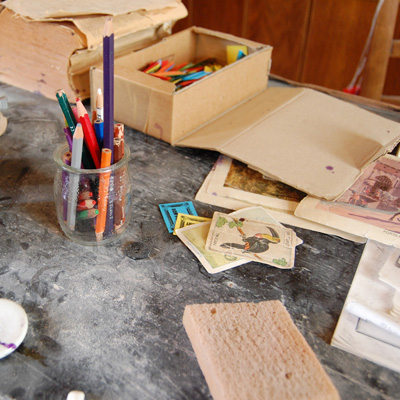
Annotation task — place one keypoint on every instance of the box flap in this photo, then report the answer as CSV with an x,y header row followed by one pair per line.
x,y
307,139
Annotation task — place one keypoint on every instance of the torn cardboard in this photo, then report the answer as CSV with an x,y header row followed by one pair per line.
x,y
306,139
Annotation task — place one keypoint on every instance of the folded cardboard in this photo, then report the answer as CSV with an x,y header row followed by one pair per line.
x,y
154,106
46,45
307,139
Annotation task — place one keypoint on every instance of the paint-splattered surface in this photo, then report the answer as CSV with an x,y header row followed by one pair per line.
x,y
108,320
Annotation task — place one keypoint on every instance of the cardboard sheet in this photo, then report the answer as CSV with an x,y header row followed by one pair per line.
x,y
129,17
306,139
46,10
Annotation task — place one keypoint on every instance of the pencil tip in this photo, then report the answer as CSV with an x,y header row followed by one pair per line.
x,y
78,131
108,27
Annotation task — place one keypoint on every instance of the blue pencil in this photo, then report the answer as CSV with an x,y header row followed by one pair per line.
x,y
99,129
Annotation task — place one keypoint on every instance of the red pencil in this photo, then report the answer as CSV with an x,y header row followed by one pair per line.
x,y
88,133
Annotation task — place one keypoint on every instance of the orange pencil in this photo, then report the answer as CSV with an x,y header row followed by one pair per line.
x,y
103,194
88,133
119,140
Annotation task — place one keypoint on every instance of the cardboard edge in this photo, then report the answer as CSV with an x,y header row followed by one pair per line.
x,y
234,109
228,36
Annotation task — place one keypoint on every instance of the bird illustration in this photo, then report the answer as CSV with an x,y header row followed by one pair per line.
x,y
258,243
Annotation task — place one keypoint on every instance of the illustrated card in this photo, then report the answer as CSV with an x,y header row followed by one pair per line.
x,y
170,211
260,214
233,179
252,240
183,220
194,237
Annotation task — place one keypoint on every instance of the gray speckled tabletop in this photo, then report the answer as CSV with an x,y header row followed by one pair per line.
x,y
110,325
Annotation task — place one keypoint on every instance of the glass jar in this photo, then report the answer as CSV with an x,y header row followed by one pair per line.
x,y
93,206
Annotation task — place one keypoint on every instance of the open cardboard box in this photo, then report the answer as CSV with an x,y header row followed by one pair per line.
x,y
307,139
153,106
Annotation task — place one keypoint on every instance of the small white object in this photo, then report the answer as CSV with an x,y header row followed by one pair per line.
x,y
76,395
13,326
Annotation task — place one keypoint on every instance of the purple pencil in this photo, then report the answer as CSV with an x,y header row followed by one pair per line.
x,y
65,184
68,136
108,85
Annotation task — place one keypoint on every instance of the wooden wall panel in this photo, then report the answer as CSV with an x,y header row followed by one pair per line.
x,y
283,25
315,41
219,15
392,84
336,36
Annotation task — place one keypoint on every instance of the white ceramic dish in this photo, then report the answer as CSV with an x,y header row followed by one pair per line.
x,y
13,326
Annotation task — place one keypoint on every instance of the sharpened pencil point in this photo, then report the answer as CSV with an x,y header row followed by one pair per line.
x,y
108,27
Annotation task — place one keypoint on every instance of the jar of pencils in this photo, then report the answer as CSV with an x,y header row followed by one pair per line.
x,y
93,206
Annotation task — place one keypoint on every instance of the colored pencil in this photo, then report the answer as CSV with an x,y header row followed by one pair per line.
x,y
67,160
65,108
99,105
99,129
86,214
119,130
108,84
70,119
68,136
85,205
76,161
88,133
118,149
85,195
103,194
119,209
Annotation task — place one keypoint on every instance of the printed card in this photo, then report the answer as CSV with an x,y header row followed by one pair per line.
x,y
194,237
170,211
183,220
252,240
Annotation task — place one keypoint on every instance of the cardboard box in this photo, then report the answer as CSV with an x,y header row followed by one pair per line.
x,y
304,138
153,106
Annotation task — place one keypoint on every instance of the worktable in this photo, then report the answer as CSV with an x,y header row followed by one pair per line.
x,y
108,320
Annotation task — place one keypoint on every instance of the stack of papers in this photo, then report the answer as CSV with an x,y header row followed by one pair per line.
x,y
233,185
369,325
